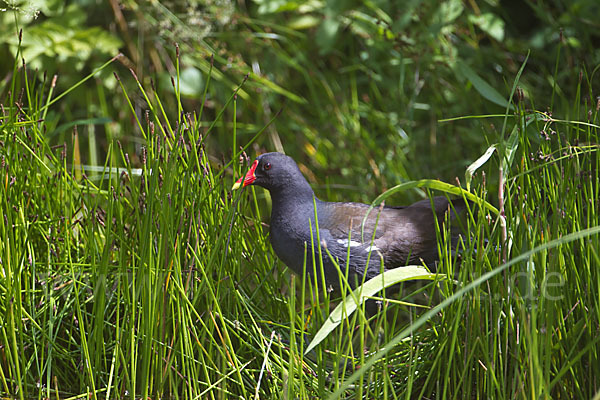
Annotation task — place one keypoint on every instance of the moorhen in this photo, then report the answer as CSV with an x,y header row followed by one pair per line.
x,y
395,235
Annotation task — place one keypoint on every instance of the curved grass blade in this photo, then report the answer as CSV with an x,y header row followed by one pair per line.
x,y
351,302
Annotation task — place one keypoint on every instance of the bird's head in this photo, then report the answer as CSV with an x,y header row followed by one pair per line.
x,y
273,171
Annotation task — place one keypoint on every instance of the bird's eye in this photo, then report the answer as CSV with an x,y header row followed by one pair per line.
x,y
267,166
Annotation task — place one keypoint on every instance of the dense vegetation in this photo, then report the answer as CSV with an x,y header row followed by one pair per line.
x,y
128,268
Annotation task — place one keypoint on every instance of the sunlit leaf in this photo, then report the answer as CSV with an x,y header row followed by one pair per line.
x,y
482,87
490,24
471,169
369,289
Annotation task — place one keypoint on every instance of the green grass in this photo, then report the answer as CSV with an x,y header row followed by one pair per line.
x,y
155,280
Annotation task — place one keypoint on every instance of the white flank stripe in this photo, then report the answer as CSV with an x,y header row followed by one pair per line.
x,y
371,248
344,242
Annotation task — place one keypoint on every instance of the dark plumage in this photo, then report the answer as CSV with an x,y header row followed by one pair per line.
x,y
403,235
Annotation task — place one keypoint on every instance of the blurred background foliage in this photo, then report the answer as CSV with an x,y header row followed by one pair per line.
x,y
362,85
359,91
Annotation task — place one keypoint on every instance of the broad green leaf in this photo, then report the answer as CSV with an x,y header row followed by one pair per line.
x,y
490,24
478,163
369,289
449,10
303,22
482,87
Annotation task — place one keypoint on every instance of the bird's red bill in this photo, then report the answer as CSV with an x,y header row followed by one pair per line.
x,y
249,178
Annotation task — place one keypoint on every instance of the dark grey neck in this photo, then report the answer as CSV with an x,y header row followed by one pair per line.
x,y
293,198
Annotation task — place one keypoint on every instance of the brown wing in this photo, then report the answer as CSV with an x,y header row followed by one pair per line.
x,y
402,234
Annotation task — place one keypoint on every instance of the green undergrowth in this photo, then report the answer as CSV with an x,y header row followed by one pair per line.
x,y
155,280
